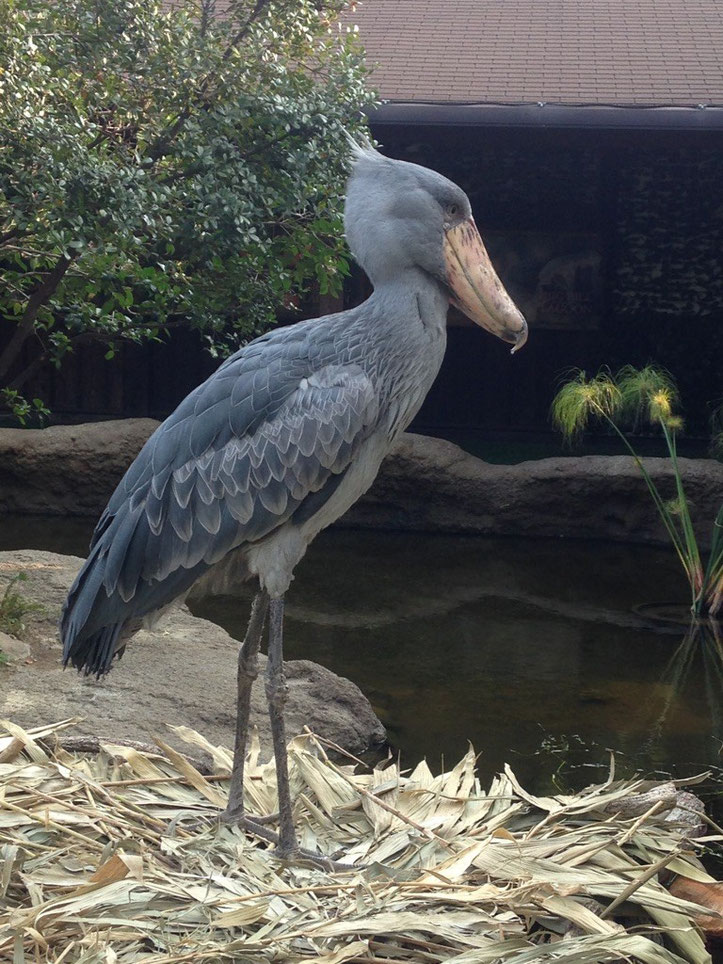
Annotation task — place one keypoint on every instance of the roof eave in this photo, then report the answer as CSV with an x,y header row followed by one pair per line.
x,y
604,117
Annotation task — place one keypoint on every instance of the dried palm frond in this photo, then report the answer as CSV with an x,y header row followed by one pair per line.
x,y
117,856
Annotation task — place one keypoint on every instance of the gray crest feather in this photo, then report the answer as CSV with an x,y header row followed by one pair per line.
x,y
362,149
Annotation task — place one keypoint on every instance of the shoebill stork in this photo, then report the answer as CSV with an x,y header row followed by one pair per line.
x,y
286,435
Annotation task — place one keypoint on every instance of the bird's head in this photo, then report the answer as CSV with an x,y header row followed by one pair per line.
x,y
400,216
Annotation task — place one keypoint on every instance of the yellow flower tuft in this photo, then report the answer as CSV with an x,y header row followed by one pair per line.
x,y
660,405
647,392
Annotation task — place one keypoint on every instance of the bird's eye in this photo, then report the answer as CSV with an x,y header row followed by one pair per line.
x,y
453,210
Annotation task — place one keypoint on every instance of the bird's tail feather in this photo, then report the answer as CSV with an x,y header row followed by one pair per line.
x,y
94,654
93,621
91,651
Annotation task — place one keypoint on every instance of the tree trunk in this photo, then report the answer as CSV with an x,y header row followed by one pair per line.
x,y
27,323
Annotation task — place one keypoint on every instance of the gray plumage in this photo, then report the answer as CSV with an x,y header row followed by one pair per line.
x,y
287,434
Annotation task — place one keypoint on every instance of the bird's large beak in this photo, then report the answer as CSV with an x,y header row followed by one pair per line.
x,y
476,289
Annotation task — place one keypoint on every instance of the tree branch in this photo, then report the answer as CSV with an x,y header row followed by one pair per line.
x,y
17,383
164,140
238,37
9,235
36,301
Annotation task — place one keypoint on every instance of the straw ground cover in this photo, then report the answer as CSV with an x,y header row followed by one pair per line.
x,y
115,856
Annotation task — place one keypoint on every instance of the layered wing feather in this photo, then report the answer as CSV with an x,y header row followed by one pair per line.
x,y
260,443
239,488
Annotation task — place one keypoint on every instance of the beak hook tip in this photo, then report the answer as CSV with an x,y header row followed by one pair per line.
x,y
520,341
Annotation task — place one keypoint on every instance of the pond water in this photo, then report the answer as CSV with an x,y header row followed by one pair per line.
x,y
528,649
534,650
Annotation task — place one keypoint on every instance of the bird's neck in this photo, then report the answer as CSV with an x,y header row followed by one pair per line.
x,y
404,337
412,295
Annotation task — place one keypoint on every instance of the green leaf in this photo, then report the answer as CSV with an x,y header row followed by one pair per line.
x,y
180,181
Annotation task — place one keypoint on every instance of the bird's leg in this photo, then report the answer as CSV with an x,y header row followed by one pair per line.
x,y
246,672
276,693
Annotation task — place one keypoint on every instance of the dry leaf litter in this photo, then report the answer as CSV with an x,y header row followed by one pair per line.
x,y
117,856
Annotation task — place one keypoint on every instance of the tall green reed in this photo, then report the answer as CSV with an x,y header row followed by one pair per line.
x,y
634,396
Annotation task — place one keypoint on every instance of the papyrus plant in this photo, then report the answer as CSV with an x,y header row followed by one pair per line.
x,y
631,397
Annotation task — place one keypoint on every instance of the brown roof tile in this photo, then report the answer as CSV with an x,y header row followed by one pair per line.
x,y
616,52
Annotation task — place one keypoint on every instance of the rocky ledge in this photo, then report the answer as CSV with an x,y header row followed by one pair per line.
x,y
181,673
425,484
429,484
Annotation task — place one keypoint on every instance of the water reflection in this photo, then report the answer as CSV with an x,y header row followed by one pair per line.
x,y
698,657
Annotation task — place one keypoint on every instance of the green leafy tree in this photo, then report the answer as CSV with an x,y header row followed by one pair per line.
x,y
166,165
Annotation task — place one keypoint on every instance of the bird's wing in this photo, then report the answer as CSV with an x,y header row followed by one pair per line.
x,y
229,468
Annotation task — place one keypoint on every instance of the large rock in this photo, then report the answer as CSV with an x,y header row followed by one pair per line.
x,y
425,484
429,484
183,672
67,469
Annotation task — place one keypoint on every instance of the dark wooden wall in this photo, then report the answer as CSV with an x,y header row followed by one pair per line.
x,y
142,380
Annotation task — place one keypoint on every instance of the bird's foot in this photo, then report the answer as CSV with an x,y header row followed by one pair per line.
x,y
237,815
301,857
288,852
